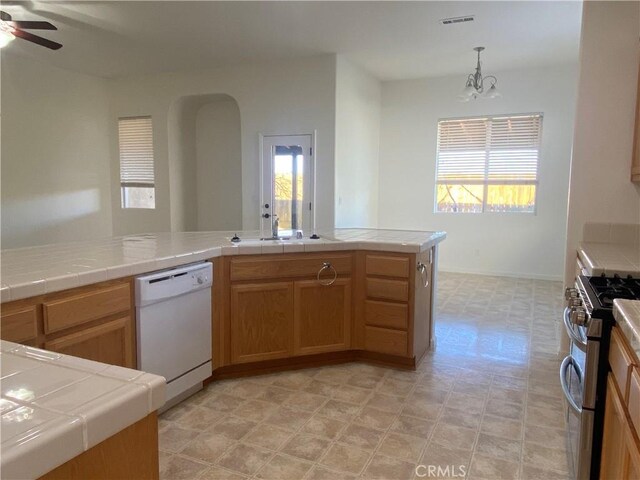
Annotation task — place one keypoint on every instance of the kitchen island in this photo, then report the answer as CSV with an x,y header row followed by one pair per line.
x,y
67,417
351,294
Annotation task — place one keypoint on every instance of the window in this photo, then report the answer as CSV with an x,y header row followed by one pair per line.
x,y
137,179
488,164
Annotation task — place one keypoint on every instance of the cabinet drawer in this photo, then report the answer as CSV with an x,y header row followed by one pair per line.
x,y
388,289
84,307
384,314
20,326
383,340
284,266
387,266
620,361
634,399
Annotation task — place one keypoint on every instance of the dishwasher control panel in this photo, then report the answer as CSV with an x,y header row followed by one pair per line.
x,y
200,278
165,284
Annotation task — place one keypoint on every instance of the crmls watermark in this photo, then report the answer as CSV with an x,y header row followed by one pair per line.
x,y
440,471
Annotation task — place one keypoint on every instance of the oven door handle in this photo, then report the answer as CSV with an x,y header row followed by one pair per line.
x,y
567,363
579,341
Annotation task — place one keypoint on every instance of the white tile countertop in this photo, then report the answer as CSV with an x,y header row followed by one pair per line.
x,y
54,407
31,271
627,315
610,258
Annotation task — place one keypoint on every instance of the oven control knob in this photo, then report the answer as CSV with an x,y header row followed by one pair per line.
x,y
570,292
578,316
575,302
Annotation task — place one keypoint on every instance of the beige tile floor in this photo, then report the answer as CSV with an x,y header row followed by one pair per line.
x,y
485,404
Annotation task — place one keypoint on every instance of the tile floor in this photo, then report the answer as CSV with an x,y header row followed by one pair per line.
x,y
485,405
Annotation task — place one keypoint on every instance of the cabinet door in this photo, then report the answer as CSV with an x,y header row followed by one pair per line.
x,y
322,316
633,456
613,440
261,321
110,342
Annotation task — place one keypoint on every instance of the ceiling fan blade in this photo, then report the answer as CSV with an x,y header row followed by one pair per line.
x,y
31,25
36,39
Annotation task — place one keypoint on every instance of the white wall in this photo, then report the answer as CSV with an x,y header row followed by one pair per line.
x,y
219,166
55,154
600,188
509,244
205,163
358,96
275,98
182,163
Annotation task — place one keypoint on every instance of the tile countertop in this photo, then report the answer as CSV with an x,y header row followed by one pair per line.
x,y
610,258
627,315
31,271
54,407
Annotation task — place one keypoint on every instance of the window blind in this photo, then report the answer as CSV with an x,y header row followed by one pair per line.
x,y
136,152
492,150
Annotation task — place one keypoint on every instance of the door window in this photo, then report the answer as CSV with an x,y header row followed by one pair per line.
x,y
287,187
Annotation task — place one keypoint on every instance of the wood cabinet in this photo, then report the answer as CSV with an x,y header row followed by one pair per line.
x,y
20,325
109,342
261,321
621,361
613,441
284,306
131,453
279,311
96,322
322,320
620,443
395,298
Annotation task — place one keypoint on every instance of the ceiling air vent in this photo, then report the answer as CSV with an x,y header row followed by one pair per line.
x,y
452,20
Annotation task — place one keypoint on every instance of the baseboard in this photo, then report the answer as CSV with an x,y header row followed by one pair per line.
x,y
311,361
531,276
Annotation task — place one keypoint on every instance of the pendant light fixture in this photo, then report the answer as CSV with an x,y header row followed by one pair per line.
x,y
476,87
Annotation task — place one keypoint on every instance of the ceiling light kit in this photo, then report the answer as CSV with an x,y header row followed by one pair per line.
x,y
475,86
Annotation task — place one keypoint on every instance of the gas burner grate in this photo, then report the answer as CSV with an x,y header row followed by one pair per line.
x,y
609,288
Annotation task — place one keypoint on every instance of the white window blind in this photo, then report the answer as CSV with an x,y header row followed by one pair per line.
x,y
137,177
136,151
488,163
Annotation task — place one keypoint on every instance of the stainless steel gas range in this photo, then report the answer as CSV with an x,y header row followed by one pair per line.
x,y
588,319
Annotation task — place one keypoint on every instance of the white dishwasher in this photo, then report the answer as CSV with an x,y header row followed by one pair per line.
x,y
173,311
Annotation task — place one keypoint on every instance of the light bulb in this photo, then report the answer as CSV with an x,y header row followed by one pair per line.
x,y
467,93
6,36
493,92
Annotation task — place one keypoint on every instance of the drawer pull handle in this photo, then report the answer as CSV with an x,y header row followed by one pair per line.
x,y
327,266
422,268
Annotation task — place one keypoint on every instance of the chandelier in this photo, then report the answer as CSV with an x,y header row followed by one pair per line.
x,y
476,84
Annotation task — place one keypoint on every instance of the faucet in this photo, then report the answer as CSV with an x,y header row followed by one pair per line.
x,y
275,223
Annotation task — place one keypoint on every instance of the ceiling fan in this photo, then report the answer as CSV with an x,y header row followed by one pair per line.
x,y
9,29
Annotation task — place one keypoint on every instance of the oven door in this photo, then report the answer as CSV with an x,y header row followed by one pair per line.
x,y
571,382
577,375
